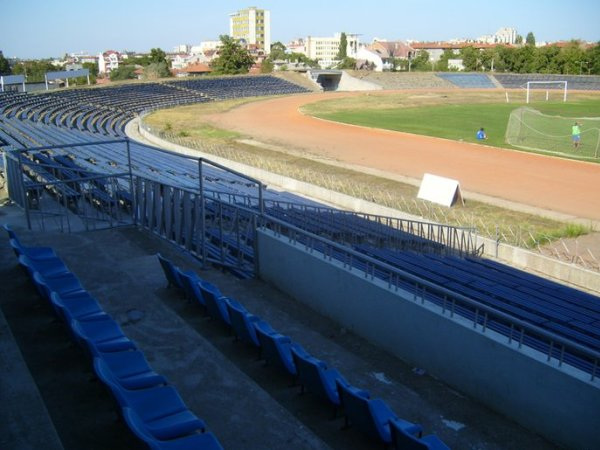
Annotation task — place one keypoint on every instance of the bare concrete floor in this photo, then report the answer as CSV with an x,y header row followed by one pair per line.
x,y
246,404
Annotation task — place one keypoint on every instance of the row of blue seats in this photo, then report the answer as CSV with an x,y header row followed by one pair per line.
x,y
349,227
575,82
371,416
501,288
134,99
468,80
151,407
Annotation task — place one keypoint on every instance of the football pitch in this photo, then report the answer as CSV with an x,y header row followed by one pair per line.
x,y
458,115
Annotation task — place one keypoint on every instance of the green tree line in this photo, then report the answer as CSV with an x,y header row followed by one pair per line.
x,y
570,59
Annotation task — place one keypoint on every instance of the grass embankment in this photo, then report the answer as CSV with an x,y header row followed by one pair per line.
x,y
434,114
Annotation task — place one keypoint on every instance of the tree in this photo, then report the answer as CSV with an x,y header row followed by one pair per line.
x,y
530,39
570,58
442,64
4,66
278,51
35,71
470,58
157,56
92,67
592,56
523,61
154,71
343,51
123,73
347,63
302,58
233,58
519,39
267,66
421,62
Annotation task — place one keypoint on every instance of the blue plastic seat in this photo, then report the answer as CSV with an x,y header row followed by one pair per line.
x,y
100,336
160,408
190,282
402,439
314,375
49,267
276,349
79,307
131,369
34,253
243,323
203,441
170,272
371,416
215,302
66,285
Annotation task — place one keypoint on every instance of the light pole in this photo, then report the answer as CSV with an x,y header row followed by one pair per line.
x,y
581,63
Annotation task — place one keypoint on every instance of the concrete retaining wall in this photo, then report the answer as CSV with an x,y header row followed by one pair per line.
x,y
559,403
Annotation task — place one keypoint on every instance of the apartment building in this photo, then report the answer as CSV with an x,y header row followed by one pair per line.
x,y
326,49
252,26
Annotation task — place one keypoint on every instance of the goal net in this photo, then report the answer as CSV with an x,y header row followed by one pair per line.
x,y
541,90
531,130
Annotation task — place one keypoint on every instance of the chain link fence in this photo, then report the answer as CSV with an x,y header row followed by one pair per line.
x,y
398,196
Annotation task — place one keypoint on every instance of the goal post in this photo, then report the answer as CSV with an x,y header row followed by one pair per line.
x,y
529,129
537,84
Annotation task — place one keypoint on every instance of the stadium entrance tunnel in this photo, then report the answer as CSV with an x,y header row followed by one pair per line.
x,y
329,80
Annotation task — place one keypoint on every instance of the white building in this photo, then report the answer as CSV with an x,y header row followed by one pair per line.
x,y
182,48
326,49
252,26
205,46
506,36
381,54
108,61
503,36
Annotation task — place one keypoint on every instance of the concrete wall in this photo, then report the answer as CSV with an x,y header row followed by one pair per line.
x,y
559,403
350,83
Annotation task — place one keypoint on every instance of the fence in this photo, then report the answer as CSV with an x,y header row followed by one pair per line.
x,y
402,199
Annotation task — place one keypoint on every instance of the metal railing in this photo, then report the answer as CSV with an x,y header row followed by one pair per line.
x,y
518,333
223,231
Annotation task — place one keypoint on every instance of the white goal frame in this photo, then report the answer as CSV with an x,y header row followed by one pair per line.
x,y
565,83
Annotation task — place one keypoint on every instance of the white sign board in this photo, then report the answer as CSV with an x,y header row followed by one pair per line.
x,y
444,191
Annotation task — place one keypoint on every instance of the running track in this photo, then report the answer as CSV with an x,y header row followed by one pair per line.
x,y
555,185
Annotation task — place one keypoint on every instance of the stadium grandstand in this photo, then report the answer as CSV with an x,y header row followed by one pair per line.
x,y
372,297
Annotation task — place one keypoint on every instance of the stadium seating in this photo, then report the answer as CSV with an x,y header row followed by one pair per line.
x,y
101,336
276,349
216,303
371,416
203,441
314,375
131,369
402,439
153,409
160,407
468,80
575,82
79,307
170,271
243,323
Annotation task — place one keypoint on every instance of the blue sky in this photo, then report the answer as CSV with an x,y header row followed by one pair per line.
x,y
43,28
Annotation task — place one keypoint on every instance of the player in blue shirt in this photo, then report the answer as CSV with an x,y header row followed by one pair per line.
x,y
481,136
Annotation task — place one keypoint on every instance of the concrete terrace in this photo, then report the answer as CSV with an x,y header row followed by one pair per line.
x,y
50,397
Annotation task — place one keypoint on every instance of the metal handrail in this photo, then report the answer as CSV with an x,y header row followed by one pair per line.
x,y
421,285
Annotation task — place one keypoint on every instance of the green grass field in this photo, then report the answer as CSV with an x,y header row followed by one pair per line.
x,y
451,116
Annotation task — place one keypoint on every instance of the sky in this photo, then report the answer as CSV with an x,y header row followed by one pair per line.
x,y
44,29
